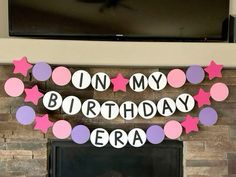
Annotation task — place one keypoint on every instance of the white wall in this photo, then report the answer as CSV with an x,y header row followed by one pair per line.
x,y
3,18
232,9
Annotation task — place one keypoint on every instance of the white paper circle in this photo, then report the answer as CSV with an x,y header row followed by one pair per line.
x,y
91,108
52,100
138,82
137,137
118,138
71,105
99,137
100,81
110,110
128,110
166,106
157,81
147,109
81,79
185,102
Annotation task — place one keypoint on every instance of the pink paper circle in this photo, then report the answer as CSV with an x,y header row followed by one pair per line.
x,y
219,91
61,76
176,78
173,129
14,87
61,129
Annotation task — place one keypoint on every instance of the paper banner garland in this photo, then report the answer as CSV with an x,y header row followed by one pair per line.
x,y
25,115
91,108
219,91
110,110
119,83
33,95
157,81
137,137
147,109
208,116
71,105
202,98
214,70
195,74
118,138
185,102
14,87
61,76
190,124
173,129
21,66
155,134
80,134
166,106
128,110
42,123
138,82
176,78
42,71
81,79
100,81
99,137
61,129
52,100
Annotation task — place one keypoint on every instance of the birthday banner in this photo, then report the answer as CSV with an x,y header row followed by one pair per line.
x,y
128,110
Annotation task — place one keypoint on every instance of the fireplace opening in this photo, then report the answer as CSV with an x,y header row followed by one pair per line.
x,y
67,159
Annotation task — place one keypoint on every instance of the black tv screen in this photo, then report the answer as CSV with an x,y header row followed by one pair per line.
x,y
120,19
68,159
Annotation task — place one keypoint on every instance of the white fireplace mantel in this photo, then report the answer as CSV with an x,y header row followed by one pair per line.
x,y
153,54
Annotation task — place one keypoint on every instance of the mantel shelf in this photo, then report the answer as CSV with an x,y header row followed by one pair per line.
x,y
71,52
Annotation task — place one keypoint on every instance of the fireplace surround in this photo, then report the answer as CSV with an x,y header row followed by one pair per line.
x,y
211,152
67,159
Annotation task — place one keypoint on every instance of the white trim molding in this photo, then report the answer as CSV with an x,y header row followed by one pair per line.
x,y
100,53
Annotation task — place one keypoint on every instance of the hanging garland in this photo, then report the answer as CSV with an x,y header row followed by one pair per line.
x,y
128,110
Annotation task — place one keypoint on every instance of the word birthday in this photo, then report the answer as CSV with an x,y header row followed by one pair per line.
x,y
91,108
128,110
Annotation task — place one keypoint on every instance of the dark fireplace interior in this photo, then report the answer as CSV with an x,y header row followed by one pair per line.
x,y
67,159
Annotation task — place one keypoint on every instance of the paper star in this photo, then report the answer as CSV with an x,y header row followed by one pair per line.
x,y
21,66
33,95
202,98
119,83
42,123
213,70
190,124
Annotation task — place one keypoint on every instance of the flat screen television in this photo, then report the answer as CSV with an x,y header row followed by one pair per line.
x,y
167,20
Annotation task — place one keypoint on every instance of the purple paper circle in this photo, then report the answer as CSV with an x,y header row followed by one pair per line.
x,y
208,116
80,134
195,74
42,71
155,134
25,115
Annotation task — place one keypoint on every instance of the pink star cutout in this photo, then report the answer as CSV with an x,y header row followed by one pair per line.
x,y
202,98
21,66
33,95
190,124
119,83
42,123
214,70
